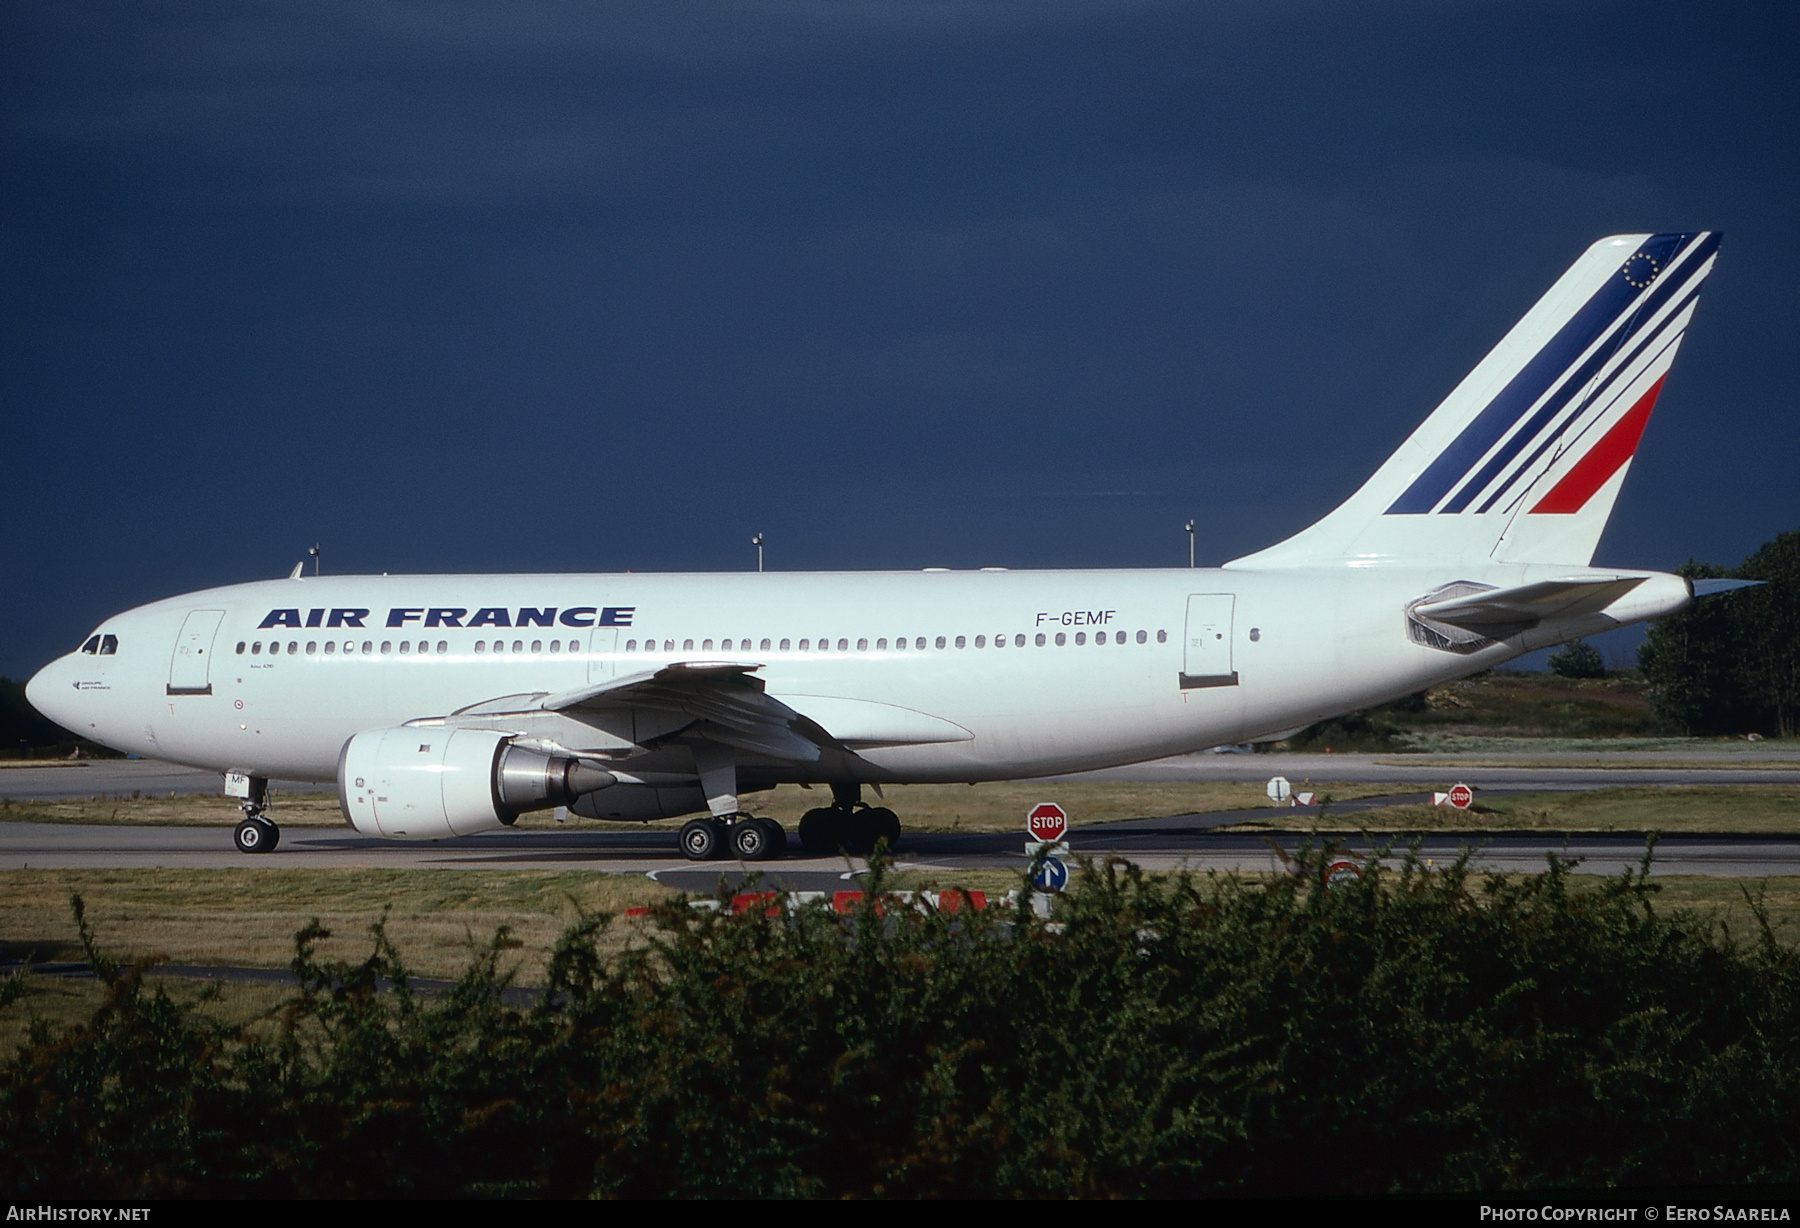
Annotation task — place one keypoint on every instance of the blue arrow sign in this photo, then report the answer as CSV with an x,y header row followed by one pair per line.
x,y
1053,875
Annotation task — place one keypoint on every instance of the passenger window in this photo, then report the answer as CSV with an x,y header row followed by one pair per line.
x,y
961,642
92,646
843,645
330,647
350,647
881,645
1019,641
387,646
1162,637
705,646
862,645
293,647
240,648
784,645
980,641
574,645
109,644
537,645
368,647
405,647
803,644
765,645
687,645
312,646
443,647
900,644
725,645
256,649
1142,637
518,645
1040,639
480,646
556,645
1061,639
1080,637
940,641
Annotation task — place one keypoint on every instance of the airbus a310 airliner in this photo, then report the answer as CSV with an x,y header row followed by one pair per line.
x,y
448,705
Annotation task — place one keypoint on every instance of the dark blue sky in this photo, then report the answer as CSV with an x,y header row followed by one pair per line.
x,y
535,286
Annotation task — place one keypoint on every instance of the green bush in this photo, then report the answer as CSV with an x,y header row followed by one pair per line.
x,y
1416,1030
1577,660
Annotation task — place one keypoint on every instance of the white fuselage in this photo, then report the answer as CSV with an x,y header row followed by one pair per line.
x,y
1034,672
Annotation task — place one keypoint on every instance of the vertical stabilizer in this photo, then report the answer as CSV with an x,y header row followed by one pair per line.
x,y
1524,459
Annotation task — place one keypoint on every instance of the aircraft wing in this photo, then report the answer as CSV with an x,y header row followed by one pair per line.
x,y
1502,612
723,696
719,701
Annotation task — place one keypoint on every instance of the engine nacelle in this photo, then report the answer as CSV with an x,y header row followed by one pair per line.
x,y
429,782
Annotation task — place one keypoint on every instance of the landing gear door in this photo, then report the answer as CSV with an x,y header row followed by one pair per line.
x,y
1206,647
190,671
603,648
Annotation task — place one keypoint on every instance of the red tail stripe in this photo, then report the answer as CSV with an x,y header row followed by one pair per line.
x,y
1603,460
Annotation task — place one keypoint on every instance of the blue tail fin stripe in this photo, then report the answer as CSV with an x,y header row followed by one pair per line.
x,y
1672,284
1574,384
1658,337
1595,317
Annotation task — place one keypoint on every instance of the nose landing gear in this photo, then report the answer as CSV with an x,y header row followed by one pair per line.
x,y
256,834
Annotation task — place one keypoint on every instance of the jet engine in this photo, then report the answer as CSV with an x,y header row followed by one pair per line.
x,y
430,782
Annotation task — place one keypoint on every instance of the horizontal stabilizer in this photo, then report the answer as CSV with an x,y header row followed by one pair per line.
x,y
1706,588
1502,612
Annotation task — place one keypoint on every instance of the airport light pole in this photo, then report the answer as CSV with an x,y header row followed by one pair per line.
x,y
757,541
317,555
1190,533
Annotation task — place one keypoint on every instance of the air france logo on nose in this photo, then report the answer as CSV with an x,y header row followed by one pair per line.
x,y
458,616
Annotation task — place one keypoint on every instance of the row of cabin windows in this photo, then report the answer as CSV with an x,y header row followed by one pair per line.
x,y
918,644
900,644
406,647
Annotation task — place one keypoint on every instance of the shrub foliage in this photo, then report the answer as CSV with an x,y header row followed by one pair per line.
x,y
1416,1030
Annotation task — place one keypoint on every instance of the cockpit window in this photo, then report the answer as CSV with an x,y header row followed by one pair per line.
x,y
109,644
92,646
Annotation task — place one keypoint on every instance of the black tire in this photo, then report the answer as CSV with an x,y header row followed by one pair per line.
x,y
751,840
701,839
883,824
778,839
256,836
858,831
821,832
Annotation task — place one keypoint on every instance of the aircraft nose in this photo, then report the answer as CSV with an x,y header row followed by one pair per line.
x,y
51,692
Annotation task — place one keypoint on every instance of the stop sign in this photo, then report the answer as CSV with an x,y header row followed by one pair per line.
x,y
1460,796
1046,822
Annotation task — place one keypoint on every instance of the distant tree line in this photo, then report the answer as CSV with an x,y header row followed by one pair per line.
x,y
1416,1029
1730,663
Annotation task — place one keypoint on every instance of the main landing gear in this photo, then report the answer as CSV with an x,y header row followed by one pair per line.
x,y
256,834
848,824
743,836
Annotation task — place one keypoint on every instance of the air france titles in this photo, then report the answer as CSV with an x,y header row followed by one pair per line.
x,y
459,616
